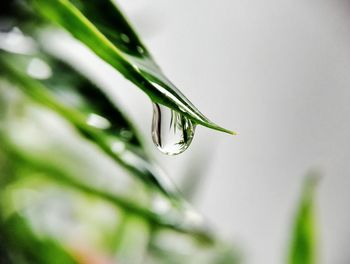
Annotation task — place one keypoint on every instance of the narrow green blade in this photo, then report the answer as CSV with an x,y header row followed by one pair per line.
x,y
131,156
102,27
303,244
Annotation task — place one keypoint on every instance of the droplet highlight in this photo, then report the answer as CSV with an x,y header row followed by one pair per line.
x,y
172,132
125,38
98,121
14,41
39,69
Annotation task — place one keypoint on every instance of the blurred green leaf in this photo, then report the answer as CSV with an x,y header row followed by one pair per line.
x,y
22,245
303,244
128,155
103,28
174,220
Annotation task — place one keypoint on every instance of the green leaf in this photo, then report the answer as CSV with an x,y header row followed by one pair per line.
x,y
73,90
76,91
21,245
130,156
303,244
39,167
102,27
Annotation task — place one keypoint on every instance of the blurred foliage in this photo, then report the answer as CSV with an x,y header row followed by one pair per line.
x,y
77,184
19,245
303,243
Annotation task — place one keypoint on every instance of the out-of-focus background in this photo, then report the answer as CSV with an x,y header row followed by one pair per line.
x,y
278,73
275,71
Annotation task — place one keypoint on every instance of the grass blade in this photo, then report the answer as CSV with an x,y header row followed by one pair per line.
x,y
303,244
102,27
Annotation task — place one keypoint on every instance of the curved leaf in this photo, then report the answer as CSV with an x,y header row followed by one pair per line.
x,y
102,27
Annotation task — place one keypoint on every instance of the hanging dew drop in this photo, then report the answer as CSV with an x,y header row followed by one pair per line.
x,y
172,132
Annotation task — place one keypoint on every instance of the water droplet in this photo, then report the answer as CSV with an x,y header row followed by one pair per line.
x,y
118,147
126,134
125,38
98,121
172,132
15,41
191,217
39,69
160,205
140,49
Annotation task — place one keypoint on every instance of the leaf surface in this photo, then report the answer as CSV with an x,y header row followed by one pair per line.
x,y
102,27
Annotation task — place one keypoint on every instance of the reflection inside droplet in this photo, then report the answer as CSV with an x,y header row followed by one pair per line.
x,y
172,132
39,69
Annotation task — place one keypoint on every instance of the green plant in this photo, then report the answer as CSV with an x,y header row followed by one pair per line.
x,y
77,183
302,248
